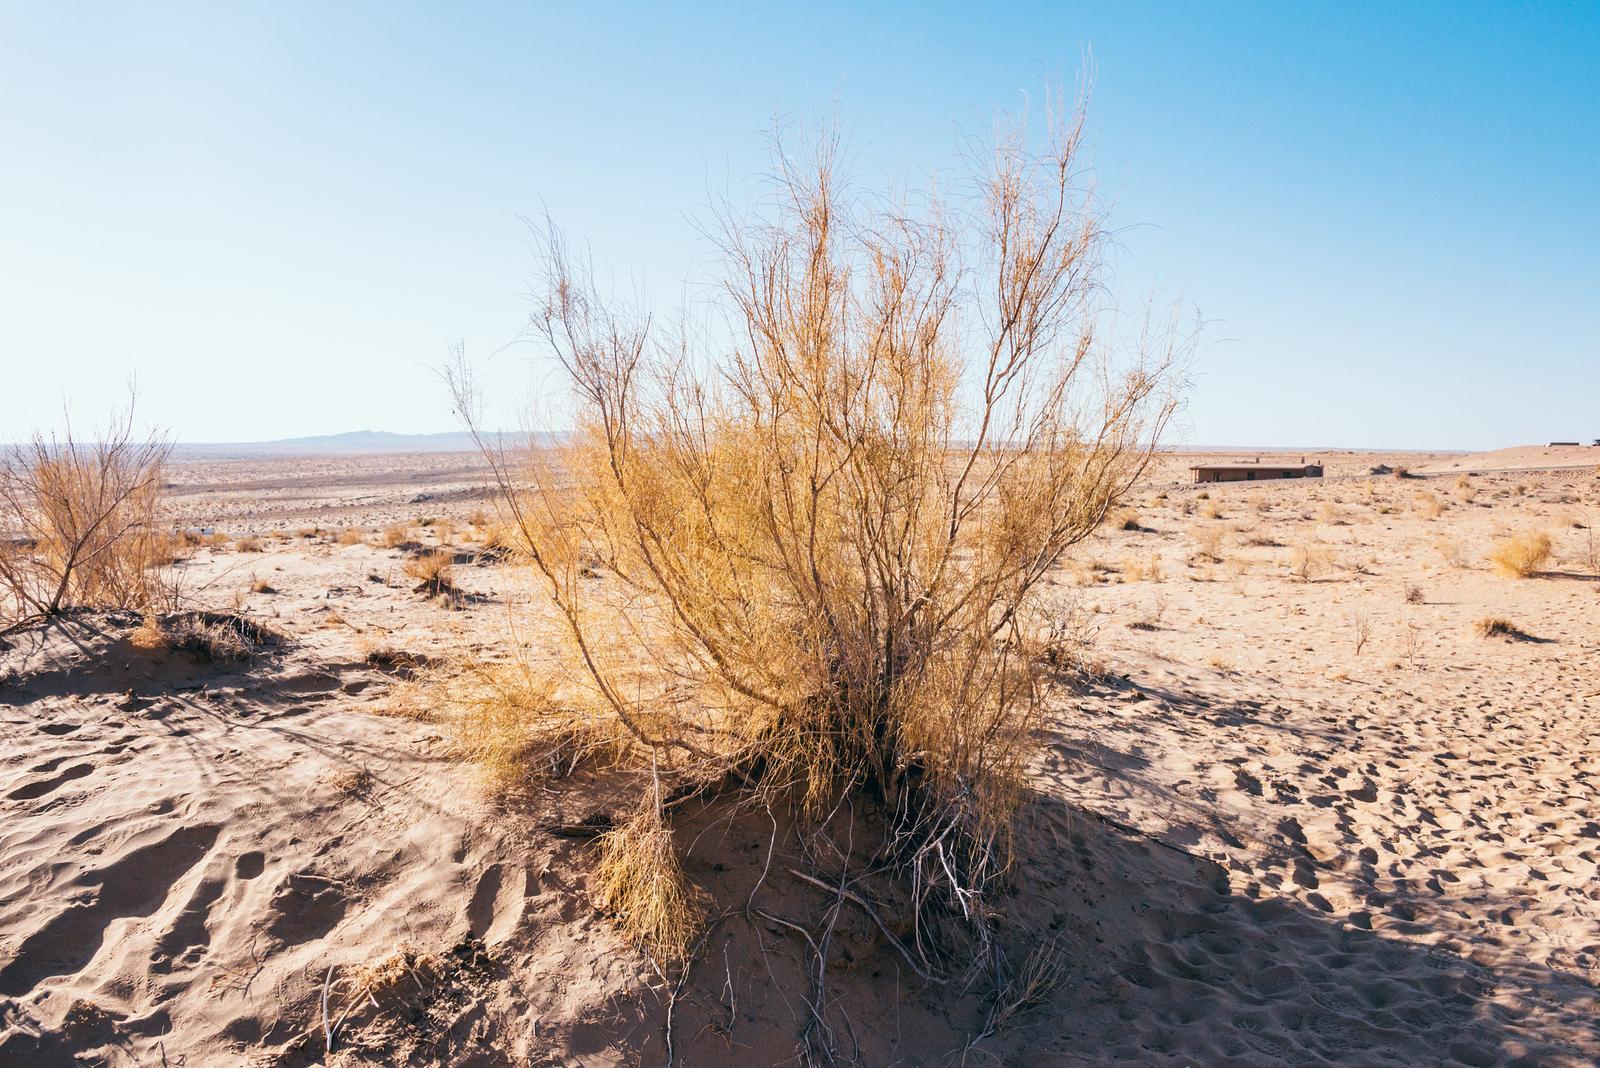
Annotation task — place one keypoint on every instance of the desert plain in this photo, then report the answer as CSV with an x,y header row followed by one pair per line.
x,y
1299,800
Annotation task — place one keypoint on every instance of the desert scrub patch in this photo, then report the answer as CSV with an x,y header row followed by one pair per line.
x,y
815,576
1521,555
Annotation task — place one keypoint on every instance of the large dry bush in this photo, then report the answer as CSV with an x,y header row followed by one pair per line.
x,y
81,524
824,530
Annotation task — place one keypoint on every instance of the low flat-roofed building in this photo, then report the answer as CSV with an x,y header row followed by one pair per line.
x,y
1253,471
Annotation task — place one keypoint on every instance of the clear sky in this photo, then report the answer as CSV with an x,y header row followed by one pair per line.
x,y
280,215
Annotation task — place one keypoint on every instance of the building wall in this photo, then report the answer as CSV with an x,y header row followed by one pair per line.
x,y
1263,473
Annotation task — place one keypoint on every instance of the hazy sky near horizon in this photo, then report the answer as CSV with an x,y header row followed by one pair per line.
x,y
280,216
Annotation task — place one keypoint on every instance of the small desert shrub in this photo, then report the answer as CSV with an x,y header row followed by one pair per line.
x,y
432,570
259,585
350,536
248,544
1466,492
1067,642
1414,595
218,540
1209,510
1496,627
1306,562
80,524
1142,569
396,535
818,570
479,518
1521,555
1207,542
1363,631
212,636
1126,519
1452,552
1329,512
1429,505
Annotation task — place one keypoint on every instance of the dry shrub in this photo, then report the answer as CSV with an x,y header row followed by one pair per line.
x,y
1126,519
396,535
248,544
1207,542
1142,569
823,537
1452,552
1429,505
432,570
1329,512
208,636
1497,627
350,536
1209,509
218,541
80,524
1466,492
1521,555
1306,562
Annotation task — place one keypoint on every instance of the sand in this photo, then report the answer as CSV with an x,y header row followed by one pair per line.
x,y
1284,819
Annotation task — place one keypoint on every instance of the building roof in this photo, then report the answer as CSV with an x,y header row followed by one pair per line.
x,y
1250,465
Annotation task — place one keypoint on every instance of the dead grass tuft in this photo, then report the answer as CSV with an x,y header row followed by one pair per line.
x,y
640,881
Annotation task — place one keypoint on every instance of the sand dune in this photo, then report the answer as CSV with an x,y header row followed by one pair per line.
x,y
1253,841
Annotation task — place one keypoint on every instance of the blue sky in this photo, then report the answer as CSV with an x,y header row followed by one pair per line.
x,y
279,216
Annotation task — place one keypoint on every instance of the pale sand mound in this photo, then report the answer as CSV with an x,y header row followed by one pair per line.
x,y
187,847
1520,458
181,864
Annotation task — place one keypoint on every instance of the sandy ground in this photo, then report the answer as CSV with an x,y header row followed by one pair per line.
x,y
1291,815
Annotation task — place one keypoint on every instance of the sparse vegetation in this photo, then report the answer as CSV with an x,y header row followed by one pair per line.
x,y
1521,555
